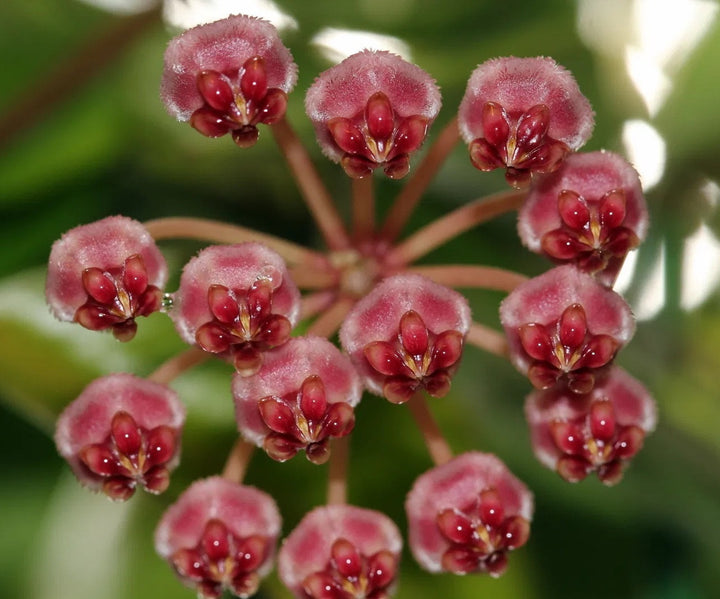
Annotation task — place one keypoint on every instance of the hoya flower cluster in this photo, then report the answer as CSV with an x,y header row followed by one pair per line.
x,y
402,327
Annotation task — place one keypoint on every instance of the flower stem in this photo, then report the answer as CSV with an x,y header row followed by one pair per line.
x,y
337,471
363,206
219,232
436,444
311,278
175,366
311,187
68,75
422,176
467,275
488,339
237,461
317,302
453,224
329,321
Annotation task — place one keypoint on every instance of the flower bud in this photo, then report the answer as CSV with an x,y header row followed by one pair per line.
x,y
122,431
371,110
303,395
524,115
105,274
599,432
563,327
341,551
236,301
465,515
591,213
220,535
407,334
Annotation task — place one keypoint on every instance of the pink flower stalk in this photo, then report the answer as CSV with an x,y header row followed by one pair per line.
x,y
228,76
303,395
120,433
236,301
524,115
599,432
563,327
591,212
465,515
407,334
105,274
341,552
372,110
220,535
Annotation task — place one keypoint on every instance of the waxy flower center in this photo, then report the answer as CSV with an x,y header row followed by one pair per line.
x,y
481,535
238,102
131,455
595,442
416,358
116,297
591,232
222,560
378,136
518,142
243,325
304,420
352,575
566,349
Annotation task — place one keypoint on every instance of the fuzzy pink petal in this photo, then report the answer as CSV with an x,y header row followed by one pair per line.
x,y
377,316
236,267
307,549
518,84
544,298
104,244
87,420
222,46
244,510
343,91
284,370
457,485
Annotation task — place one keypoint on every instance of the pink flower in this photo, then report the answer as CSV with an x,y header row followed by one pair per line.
x,y
105,274
122,431
373,109
407,334
236,301
597,432
465,515
563,327
590,212
229,75
343,552
220,535
523,114
303,395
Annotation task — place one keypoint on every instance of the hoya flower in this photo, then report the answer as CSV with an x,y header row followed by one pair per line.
x,y
372,110
465,515
303,395
228,76
120,433
590,212
105,274
341,552
236,301
599,432
524,115
407,334
220,535
563,327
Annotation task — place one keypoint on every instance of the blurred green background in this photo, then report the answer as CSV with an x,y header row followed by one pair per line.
x,y
83,135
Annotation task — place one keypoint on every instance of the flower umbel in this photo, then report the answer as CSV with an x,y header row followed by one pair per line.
x,y
272,309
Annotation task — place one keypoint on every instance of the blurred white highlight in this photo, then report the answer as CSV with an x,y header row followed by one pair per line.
x,y
646,151
184,14
337,44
